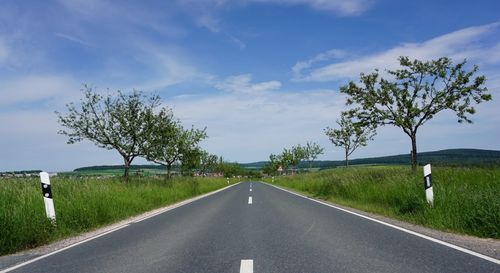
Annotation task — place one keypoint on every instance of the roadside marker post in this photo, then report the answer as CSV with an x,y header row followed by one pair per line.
x,y
429,194
47,197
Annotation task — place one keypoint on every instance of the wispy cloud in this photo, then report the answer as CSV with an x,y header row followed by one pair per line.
x,y
257,125
321,57
73,39
243,84
32,88
458,45
341,7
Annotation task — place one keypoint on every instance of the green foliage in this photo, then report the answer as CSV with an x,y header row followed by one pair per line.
x,y
118,122
84,204
416,93
169,143
311,151
465,199
234,169
350,135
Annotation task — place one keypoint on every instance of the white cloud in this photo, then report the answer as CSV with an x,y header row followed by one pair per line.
x,y
73,39
32,88
248,128
341,7
325,56
243,84
457,45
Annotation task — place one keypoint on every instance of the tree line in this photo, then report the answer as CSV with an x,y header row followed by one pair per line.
x,y
136,125
407,98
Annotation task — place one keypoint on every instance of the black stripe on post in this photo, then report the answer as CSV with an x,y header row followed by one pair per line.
x,y
46,191
428,181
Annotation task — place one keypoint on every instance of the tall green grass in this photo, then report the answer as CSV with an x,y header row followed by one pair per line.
x,y
466,200
84,204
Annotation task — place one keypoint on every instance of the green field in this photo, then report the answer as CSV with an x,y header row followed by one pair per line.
x,y
466,200
83,204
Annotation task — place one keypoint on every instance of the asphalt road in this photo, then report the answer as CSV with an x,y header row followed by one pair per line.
x,y
277,232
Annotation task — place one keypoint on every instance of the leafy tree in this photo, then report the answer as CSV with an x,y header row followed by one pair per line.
x,y
349,135
292,157
271,167
311,151
118,122
208,162
190,160
168,142
418,91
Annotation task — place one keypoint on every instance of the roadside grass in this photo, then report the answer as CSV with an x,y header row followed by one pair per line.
x,y
83,204
466,200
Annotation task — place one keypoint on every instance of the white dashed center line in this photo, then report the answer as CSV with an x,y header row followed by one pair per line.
x,y
250,200
246,266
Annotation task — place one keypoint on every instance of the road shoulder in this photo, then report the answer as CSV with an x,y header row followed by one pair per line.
x,y
485,246
11,260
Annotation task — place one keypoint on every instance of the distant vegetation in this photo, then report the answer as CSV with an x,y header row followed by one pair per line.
x,y
85,204
466,200
451,157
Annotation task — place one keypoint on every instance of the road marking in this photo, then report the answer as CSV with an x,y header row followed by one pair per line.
x,y
246,266
62,249
459,248
250,189
134,220
249,202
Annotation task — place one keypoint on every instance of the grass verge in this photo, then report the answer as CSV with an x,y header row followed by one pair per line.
x,y
84,204
466,200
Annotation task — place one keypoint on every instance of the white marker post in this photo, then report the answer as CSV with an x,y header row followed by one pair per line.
x,y
429,194
47,197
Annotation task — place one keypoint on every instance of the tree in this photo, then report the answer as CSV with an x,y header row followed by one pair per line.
x,y
271,167
169,142
418,91
118,122
349,135
208,162
311,151
292,157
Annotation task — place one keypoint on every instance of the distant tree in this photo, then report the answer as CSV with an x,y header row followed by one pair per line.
x,y
293,156
118,122
208,162
169,142
271,167
311,151
190,160
349,135
418,91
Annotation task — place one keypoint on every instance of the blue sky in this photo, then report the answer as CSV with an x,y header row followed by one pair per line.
x,y
260,74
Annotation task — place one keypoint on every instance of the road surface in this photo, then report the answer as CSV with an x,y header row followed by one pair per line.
x,y
254,227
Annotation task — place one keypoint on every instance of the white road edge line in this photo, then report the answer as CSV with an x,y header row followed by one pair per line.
x,y
459,248
249,202
246,266
168,208
60,250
